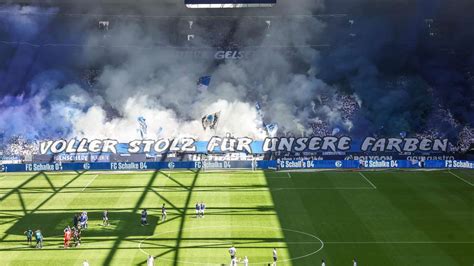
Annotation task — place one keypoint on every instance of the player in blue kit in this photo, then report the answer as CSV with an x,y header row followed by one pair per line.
x,y
198,209
202,208
144,217
83,220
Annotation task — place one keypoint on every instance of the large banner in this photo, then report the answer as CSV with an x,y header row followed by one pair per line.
x,y
450,164
208,165
216,144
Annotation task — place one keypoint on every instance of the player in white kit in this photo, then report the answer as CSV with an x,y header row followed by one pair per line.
x,y
245,261
275,257
232,252
150,261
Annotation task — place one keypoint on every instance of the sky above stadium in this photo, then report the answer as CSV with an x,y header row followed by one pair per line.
x,y
367,70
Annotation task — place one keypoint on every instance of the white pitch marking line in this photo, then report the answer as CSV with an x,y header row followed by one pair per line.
x,y
287,176
261,227
398,242
342,242
90,182
270,188
372,184
462,179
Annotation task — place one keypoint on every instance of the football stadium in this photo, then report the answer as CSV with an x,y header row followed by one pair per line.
x,y
237,132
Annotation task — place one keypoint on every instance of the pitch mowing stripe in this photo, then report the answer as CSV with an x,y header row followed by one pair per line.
x,y
322,188
462,179
276,176
372,184
90,182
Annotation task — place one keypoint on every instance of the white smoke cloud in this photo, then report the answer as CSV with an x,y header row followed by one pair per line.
x,y
94,124
143,79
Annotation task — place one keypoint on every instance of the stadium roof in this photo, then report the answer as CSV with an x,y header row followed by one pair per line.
x,y
229,3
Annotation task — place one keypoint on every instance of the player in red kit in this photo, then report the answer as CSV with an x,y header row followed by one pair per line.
x,y
67,237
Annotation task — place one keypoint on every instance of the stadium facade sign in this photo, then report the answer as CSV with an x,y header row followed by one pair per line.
x,y
229,54
459,164
217,144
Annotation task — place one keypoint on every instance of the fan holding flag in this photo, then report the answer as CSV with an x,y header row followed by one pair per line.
x,y
142,126
210,120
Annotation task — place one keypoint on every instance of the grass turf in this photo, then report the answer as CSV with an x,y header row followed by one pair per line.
x,y
379,217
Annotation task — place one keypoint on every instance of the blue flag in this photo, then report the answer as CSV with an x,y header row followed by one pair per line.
x,y
203,83
258,107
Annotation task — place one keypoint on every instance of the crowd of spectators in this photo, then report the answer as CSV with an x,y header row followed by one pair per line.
x,y
18,146
348,106
90,76
320,128
466,139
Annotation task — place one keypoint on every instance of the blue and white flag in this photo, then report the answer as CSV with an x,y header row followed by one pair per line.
x,y
203,83
158,133
210,120
272,129
142,126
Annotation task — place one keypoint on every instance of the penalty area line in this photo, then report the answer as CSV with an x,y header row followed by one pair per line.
x,y
462,179
372,184
90,182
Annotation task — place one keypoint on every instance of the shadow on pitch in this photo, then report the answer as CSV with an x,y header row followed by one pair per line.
x,y
134,211
28,212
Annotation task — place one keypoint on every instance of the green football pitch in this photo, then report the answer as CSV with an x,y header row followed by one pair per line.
x,y
379,217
